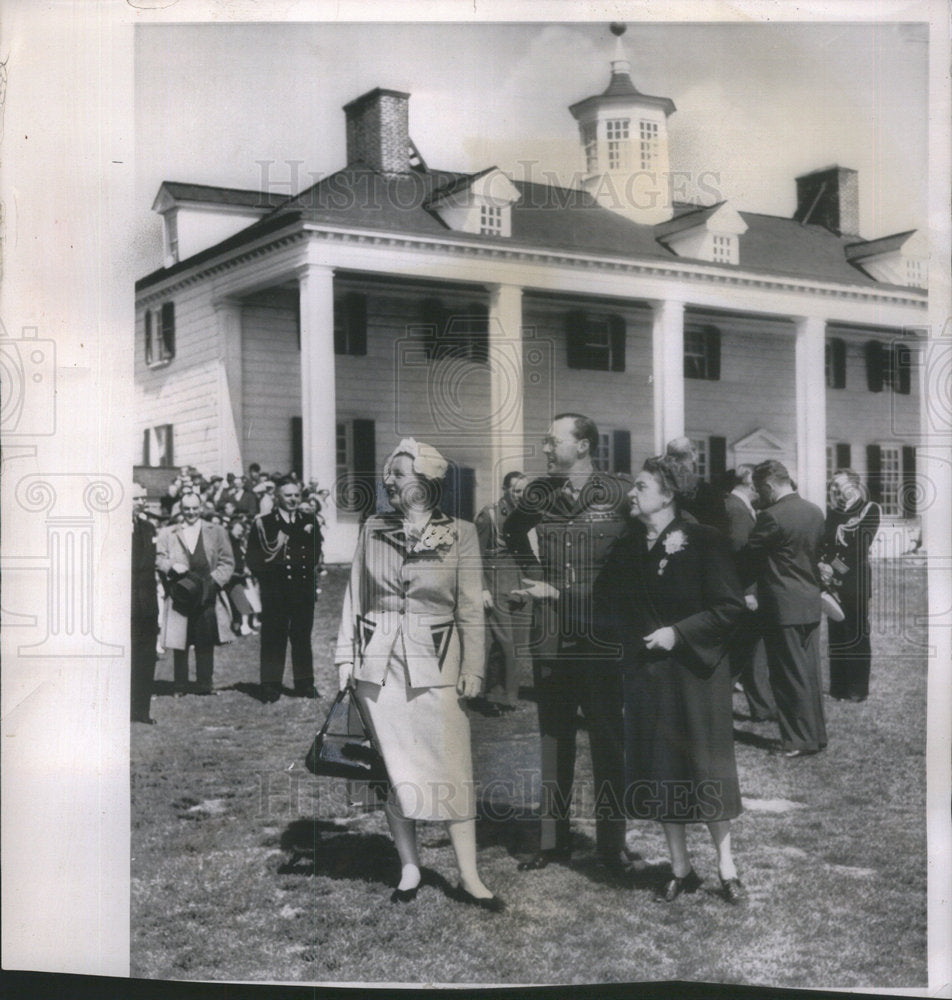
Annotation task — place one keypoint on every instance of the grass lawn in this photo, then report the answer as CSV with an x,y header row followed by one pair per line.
x,y
245,867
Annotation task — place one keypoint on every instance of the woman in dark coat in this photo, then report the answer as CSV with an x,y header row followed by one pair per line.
x,y
851,525
669,594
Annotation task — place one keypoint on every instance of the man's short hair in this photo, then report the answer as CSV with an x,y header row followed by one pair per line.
x,y
771,470
584,429
743,475
511,477
682,449
282,481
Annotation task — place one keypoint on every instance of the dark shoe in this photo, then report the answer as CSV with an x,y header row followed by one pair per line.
x,y
542,859
733,891
270,693
790,754
404,895
857,698
146,720
624,863
205,691
492,904
306,691
673,888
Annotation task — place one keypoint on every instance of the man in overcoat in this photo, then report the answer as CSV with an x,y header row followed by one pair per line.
x,y
781,555
196,562
578,513
284,553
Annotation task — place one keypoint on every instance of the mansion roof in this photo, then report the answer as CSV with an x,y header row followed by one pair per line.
x,y
547,217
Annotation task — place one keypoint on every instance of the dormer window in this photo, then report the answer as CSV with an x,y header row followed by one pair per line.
x,y
648,132
490,220
616,131
916,273
480,203
722,249
171,237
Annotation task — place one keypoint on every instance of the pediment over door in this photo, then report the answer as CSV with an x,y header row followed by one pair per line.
x,y
762,446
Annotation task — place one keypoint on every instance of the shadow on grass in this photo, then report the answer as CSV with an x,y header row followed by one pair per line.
x,y
755,740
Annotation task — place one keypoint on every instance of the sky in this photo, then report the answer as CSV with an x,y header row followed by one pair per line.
x,y
259,105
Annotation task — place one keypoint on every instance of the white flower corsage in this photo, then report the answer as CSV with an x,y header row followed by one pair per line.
x,y
308,528
675,542
435,538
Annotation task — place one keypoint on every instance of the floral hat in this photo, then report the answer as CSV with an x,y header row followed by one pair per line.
x,y
427,461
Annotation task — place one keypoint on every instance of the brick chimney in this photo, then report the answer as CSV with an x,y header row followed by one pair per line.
x,y
830,198
378,131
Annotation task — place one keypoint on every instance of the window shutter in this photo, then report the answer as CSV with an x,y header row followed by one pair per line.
x,y
874,468
713,347
575,339
908,495
902,369
874,365
433,320
621,451
146,459
716,456
148,339
838,362
297,447
842,452
340,326
616,326
458,492
168,329
365,467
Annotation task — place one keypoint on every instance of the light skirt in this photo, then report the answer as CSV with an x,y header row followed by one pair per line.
x,y
423,735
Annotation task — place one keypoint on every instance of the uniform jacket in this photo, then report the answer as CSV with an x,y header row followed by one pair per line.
x,y
501,572
171,549
427,596
282,554
575,536
781,556
849,537
145,600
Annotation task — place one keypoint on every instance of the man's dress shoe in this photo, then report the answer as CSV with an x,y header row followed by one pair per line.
x,y
270,693
306,691
542,859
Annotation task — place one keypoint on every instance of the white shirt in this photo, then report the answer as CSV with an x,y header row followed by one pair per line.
x,y
190,535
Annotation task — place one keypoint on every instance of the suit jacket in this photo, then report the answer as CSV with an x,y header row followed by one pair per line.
x,y
285,555
740,521
501,571
427,596
575,536
171,549
781,555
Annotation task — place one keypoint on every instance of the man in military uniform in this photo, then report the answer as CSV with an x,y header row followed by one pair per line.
x,y
578,513
284,550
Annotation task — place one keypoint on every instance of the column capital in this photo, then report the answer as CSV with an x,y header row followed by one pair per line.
x,y
657,305
802,322
501,287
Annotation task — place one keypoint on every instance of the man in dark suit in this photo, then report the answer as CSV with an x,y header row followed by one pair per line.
x,y
578,513
145,608
747,655
701,500
782,553
284,553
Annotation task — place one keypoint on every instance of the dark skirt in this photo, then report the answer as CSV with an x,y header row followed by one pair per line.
x,y
679,744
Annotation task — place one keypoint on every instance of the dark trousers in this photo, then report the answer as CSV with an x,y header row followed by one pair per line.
x,y
748,660
143,671
793,659
509,631
562,688
850,651
287,614
204,667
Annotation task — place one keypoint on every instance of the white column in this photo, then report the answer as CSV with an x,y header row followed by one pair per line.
x,y
230,426
810,374
506,431
318,396
667,353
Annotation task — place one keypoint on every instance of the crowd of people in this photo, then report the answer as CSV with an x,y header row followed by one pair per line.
x,y
640,603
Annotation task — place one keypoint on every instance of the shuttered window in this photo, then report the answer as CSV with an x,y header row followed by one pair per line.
x,y
595,341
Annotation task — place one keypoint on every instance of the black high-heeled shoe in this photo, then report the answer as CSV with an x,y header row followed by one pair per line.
x,y
404,895
673,888
492,904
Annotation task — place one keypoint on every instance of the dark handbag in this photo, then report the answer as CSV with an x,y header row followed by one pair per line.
x,y
344,747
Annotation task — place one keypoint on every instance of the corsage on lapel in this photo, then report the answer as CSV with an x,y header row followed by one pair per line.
x,y
436,537
676,542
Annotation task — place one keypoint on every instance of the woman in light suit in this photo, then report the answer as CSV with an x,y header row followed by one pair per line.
x,y
412,641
